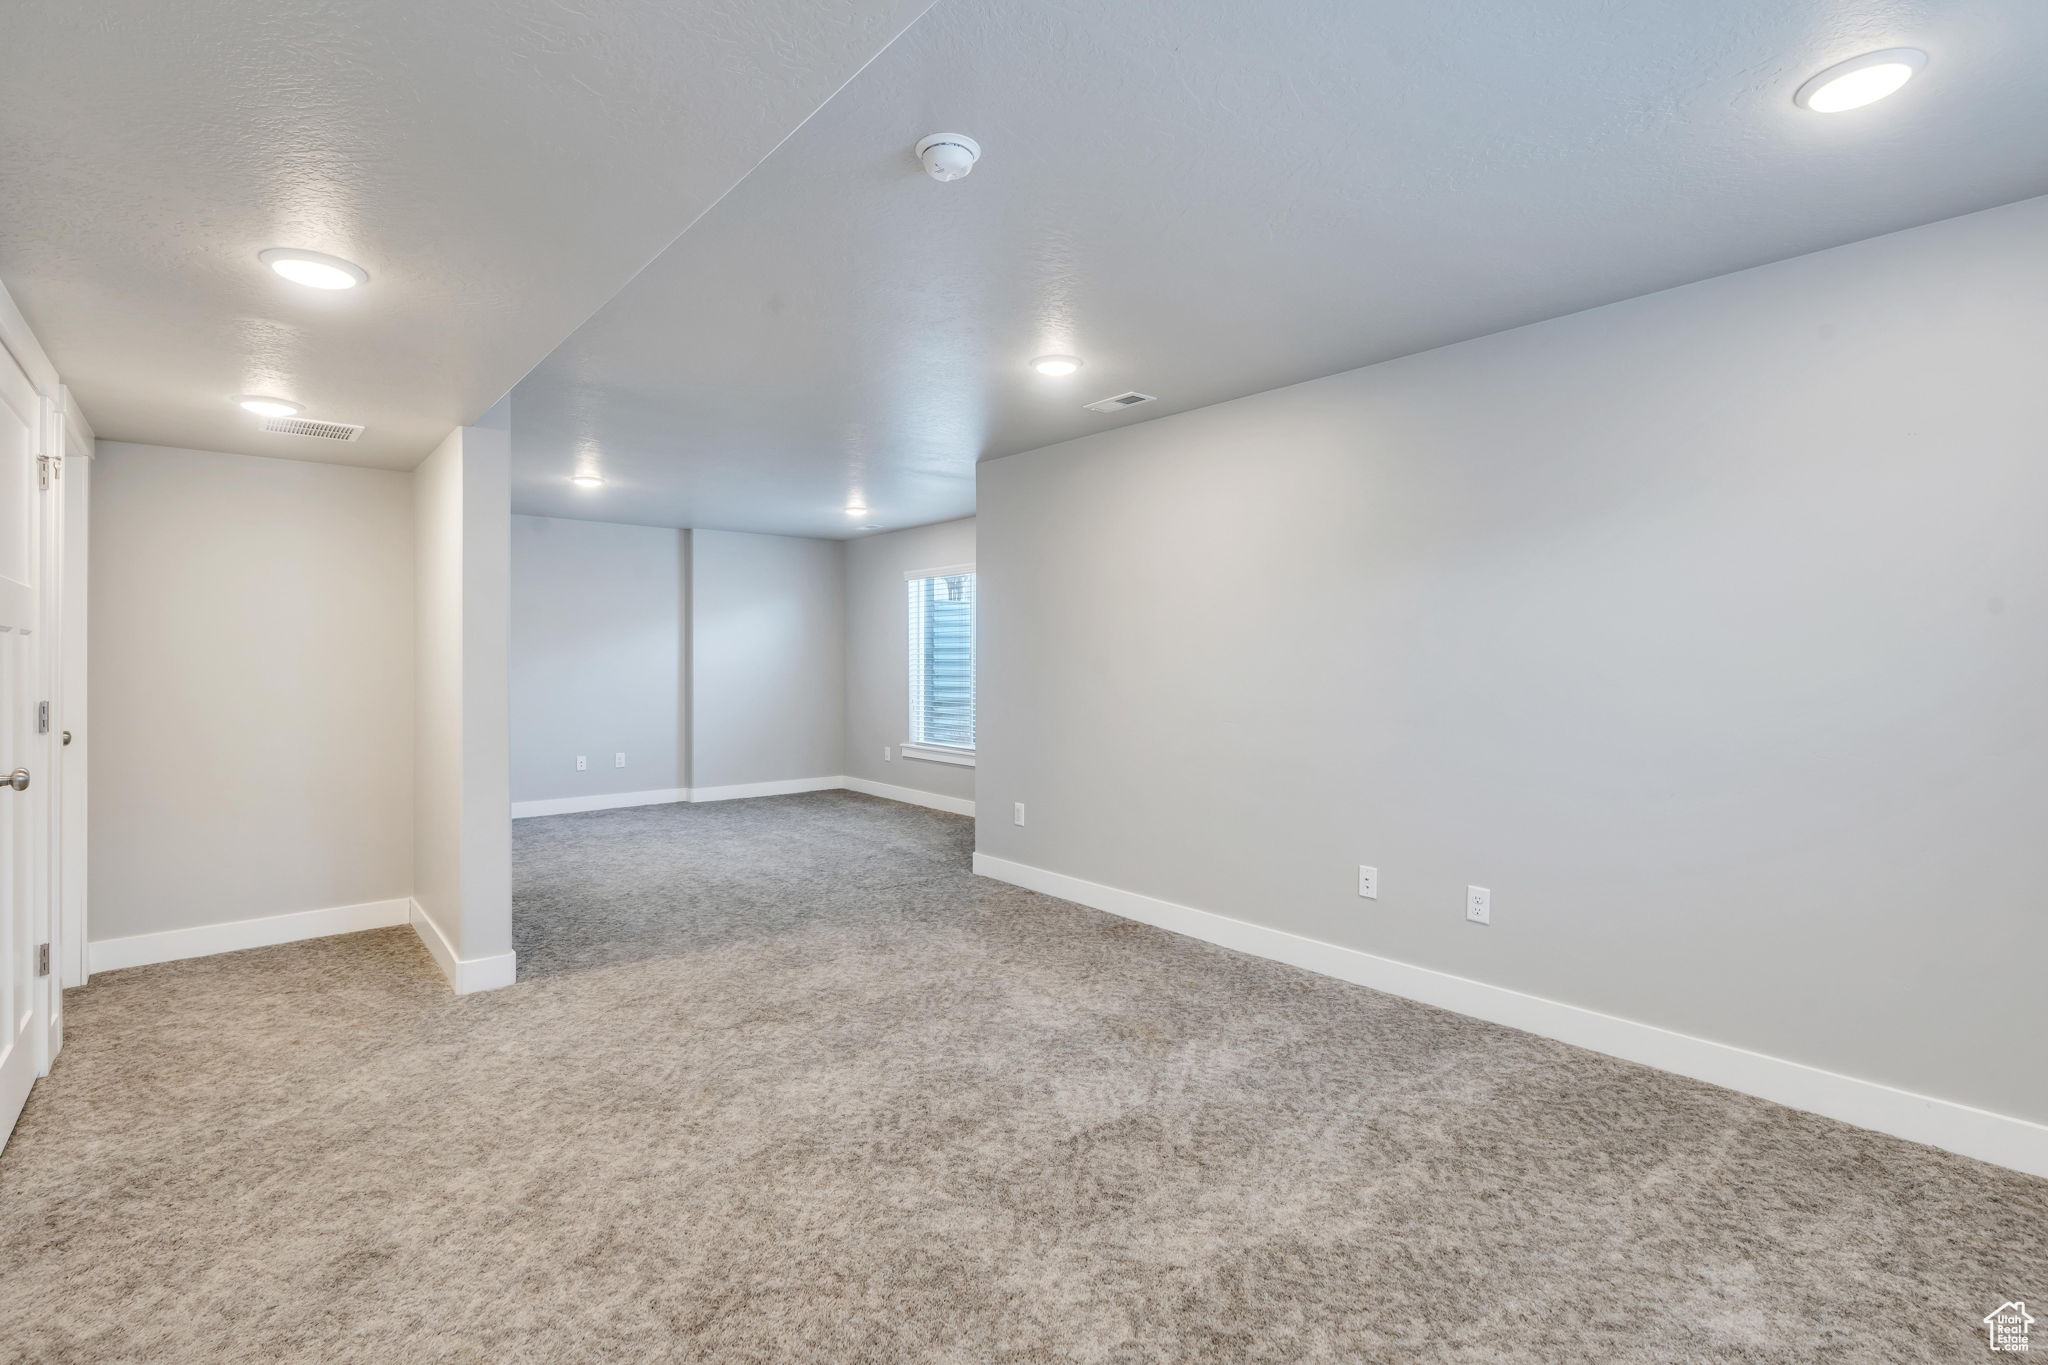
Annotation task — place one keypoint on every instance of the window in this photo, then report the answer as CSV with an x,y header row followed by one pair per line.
x,y
942,663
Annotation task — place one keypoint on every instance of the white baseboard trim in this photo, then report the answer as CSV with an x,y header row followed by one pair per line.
x,y
171,945
570,805
953,805
466,976
786,787
2000,1139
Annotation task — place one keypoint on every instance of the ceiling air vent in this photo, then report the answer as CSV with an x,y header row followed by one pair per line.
x,y
326,431
1122,400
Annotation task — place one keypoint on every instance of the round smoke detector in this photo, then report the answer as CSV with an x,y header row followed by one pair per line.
x,y
948,156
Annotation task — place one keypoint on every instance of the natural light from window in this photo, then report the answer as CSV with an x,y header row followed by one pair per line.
x,y
942,658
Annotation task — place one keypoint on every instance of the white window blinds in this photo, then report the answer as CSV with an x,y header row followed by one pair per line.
x,y
942,656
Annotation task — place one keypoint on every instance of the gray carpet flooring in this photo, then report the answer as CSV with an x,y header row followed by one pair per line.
x,y
782,1082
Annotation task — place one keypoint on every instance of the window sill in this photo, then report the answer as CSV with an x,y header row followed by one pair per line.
x,y
932,753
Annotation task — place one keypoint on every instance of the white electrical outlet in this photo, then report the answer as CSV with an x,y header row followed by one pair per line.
x,y
1017,813
1369,882
1479,905
581,763
618,760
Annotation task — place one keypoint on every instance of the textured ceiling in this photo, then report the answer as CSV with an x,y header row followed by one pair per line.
x,y
1202,198
500,167
1206,198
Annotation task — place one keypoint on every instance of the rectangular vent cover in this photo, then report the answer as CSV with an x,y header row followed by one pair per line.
x,y
1122,400
326,431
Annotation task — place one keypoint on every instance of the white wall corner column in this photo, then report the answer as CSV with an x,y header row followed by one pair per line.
x,y
462,851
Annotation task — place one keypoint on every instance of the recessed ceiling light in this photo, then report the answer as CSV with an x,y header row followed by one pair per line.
x,y
1860,80
586,480
314,268
265,406
856,511
1056,365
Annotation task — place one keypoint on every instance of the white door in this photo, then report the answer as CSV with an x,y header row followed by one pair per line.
x,y
24,847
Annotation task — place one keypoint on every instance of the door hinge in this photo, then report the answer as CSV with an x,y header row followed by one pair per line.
x,y
42,959
42,718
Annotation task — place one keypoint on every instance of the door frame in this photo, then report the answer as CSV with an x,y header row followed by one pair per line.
x,y
58,906
26,1037
67,570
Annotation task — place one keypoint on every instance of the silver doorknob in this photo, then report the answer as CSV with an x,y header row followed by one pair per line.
x,y
18,779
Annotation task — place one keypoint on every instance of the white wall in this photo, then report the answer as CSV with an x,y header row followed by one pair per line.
x,y
1709,630
767,658
878,653
715,660
462,862
596,657
251,688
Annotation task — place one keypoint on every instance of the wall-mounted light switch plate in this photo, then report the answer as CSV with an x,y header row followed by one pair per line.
x,y
1017,814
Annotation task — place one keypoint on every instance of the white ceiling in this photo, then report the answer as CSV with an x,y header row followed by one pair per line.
x,y
1207,198
1203,198
499,167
